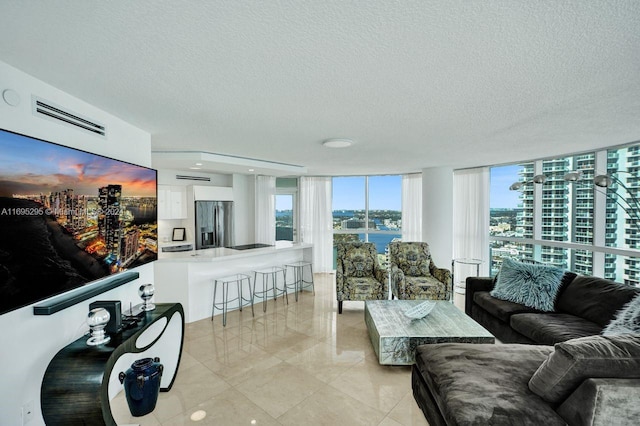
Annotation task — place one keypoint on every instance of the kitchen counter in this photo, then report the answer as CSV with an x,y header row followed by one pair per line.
x,y
187,277
223,253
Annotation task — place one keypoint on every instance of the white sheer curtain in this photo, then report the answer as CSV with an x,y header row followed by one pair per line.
x,y
266,209
316,220
471,216
412,207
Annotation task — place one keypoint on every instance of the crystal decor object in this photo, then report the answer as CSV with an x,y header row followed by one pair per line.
x,y
146,293
97,320
421,310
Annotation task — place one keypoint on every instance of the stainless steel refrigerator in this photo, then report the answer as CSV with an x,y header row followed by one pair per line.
x,y
214,224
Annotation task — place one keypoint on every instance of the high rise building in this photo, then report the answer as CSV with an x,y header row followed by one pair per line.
x,y
628,191
567,213
109,226
130,245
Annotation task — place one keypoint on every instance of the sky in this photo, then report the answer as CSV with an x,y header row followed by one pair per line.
x,y
30,166
385,193
501,178
284,202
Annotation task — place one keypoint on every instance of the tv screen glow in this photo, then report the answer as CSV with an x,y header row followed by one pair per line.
x,y
69,217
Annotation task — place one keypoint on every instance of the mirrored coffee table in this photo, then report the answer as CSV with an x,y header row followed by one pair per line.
x,y
395,336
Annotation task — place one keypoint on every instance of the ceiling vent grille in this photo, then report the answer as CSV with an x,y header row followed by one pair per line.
x,y
51,111
200,178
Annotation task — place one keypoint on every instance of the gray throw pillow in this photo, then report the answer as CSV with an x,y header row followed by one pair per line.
x,y
627,319
575,360
535,286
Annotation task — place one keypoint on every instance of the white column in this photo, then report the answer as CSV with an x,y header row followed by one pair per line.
x,y
437,213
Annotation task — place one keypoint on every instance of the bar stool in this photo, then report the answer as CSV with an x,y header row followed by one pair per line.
x,y
298,276
239,280
264,275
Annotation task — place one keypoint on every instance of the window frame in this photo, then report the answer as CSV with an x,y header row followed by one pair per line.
x,y
366,230
597,247
293,191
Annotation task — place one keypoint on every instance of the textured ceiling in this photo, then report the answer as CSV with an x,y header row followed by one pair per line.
x,y
415,84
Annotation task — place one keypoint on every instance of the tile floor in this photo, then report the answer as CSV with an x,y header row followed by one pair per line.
x,y
296,364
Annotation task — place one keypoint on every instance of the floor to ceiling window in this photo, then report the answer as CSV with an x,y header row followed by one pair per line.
x,y
286,210
368,208
578,212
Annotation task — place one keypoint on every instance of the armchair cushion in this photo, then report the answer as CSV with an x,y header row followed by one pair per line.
x,y
424,288
358,262
412,258
364,288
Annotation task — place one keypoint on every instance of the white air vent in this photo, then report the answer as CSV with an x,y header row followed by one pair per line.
x,y
200,178
50,111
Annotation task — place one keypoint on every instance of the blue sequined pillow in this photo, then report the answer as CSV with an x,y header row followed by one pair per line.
x,y
535,286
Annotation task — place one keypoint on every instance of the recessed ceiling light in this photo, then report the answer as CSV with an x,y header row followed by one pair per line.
x,y
194,168
251,170
198,164
337,143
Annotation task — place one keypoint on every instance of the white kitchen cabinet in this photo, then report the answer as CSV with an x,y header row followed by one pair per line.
x,y
172,202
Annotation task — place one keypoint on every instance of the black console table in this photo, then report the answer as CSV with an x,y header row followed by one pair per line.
x,y
81,380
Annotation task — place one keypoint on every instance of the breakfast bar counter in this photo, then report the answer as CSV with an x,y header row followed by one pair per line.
x,y
187,277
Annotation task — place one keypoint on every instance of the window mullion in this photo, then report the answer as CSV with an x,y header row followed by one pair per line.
x,y
537,211
599,217
366,208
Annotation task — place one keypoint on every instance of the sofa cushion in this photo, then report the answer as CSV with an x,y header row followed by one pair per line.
x,y
595,299
484,384
535,286
500,329
575,360
502,309
603,402
627,319
552,328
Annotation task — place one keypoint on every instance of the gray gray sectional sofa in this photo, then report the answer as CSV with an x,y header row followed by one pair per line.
x,y
553,368
591,380
583,307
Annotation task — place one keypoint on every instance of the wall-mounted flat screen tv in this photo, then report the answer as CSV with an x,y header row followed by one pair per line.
x,y
69,217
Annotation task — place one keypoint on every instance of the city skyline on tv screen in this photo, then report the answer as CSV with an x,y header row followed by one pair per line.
x,y
69,217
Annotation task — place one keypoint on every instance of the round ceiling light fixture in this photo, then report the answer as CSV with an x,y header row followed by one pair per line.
x,y
337,143
11,97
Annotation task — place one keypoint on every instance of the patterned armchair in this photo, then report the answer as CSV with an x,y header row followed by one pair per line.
x,y
414,275
359,275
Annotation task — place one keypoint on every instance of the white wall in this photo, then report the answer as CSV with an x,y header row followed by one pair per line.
x,y
437,214
244,208
28,341
168,177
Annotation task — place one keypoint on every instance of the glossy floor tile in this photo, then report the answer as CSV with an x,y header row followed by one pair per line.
x,y
296,363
